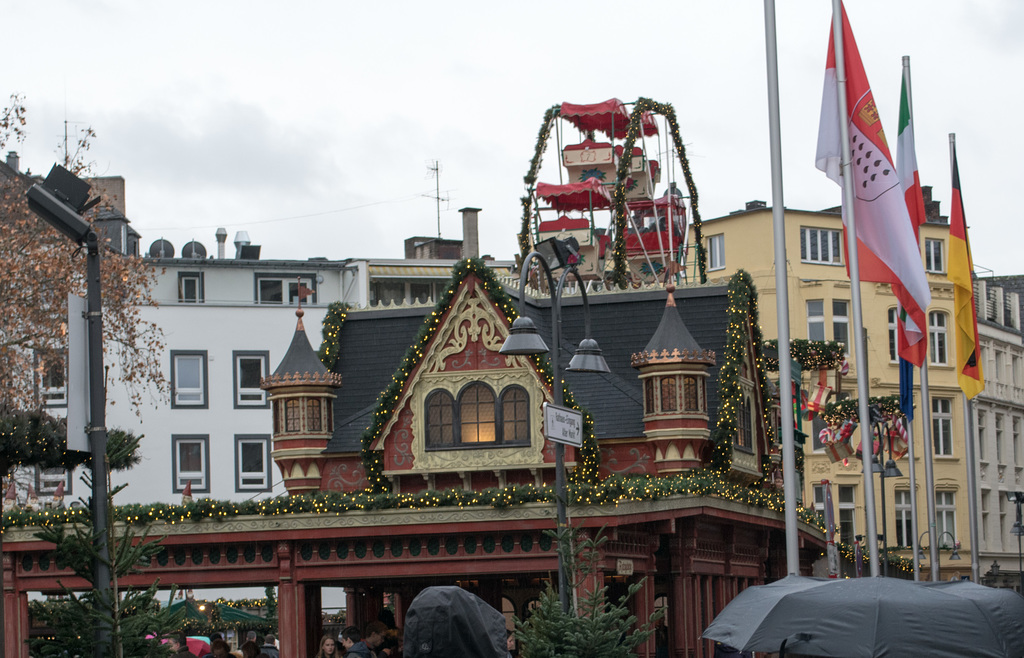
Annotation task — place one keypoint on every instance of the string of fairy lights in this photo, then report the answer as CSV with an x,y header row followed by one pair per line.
x,y
810,354
742,316
330,348
834,413
543,135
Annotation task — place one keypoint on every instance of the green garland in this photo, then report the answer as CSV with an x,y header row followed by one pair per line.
x,y
642,106
610,491
543,135
742,312
835,413
330,347
810,354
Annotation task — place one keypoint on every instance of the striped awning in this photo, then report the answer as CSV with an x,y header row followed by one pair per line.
x,y
410,272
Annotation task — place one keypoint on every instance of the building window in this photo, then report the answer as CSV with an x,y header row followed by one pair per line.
x,y
999,438
190,288
252,463
942,426
716,252
945,516
515,415
649,396
815,319
841,322
250,368
477,417
845,518
293,415
1015,425
745,430
669,400
937,335
933,256
691,396
314,415
275,288
48,479
904,529
819,245
190,462
982,434
53,386
893,336
188,379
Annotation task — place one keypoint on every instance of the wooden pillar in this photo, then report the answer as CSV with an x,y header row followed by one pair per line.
x,y
642,605
291,606
15,604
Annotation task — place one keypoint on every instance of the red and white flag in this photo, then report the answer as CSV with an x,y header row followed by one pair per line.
x,y
886,243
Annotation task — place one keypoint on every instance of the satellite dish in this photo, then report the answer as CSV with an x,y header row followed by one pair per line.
x,y
193,249
161,249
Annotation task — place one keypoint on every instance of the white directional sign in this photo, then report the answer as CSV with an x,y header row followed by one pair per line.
x,y
563,425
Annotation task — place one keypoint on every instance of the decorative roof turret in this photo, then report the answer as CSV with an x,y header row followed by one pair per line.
x,y
301,366
672,342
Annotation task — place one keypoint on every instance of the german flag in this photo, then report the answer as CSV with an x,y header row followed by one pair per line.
x,y
968,350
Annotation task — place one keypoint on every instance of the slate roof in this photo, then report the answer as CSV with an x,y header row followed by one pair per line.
x,y
300,357
373,343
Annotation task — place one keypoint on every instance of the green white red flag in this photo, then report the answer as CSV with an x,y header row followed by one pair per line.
x,y
886,245
911,337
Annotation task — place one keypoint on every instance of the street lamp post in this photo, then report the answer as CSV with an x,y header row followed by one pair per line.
x,y
60,200
954,553
1017,497
524,339
890,471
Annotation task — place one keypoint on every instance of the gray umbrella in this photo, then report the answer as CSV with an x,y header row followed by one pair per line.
x,y
873,617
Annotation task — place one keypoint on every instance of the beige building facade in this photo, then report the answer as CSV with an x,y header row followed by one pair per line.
x,y
820,308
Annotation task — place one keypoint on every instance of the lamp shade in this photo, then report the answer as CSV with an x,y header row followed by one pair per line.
x,y
524,339
892,470
588,358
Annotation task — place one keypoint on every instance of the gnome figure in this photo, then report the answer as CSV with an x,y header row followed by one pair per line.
x,y
186,495
10,498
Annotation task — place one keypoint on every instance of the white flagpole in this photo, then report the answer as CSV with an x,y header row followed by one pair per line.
x,y
915,544
781,295
863,392
929,470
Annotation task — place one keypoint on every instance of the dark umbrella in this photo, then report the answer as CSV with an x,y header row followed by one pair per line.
x,y
873,617
449,621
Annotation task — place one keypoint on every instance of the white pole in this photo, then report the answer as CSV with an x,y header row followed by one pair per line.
x,y
781,295
929,471
863,392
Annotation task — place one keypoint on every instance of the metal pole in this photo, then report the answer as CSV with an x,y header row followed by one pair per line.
x,y
863,392
972,489
915,544
789,488
929,473
98,438
885,536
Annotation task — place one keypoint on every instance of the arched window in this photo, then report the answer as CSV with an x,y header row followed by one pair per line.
x,y
937,335
668,394
691,400
313,422
440,420
515,415
476,414
293,415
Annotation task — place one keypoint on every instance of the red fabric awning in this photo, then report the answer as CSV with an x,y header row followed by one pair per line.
x,y
602,116
564,223
576,196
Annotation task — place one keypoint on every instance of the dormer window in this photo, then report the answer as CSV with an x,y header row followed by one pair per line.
x,y
477,418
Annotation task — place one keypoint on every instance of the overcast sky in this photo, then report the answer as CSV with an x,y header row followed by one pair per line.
x,y
311,125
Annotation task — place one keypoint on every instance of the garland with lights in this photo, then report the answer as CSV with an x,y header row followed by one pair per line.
x,y
531,177
810,354
741,314
896,561
641,107
330,347
835,413
610,491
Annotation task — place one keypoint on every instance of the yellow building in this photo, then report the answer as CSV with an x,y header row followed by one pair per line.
x,y
820,308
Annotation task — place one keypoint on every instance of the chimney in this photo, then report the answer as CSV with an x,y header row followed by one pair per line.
x,y
13,161
241,240
222,238
470,233
756,205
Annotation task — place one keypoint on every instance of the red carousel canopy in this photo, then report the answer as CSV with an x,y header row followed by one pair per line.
x,y
564,223
575,196
603,117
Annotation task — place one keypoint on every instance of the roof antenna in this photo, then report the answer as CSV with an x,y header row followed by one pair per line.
x,y
434,169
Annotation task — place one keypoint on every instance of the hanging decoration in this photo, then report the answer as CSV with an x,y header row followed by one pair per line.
x,y
331,333
810,354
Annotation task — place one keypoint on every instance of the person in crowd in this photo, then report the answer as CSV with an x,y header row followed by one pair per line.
x,y
249,649
250,636
349,636
269,647
213,638
179,646
390,644
511,644
328,648
220,649
374,635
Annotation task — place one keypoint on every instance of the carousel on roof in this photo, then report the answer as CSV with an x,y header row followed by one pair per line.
x,y
614,156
